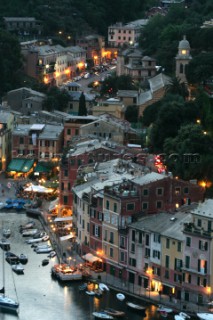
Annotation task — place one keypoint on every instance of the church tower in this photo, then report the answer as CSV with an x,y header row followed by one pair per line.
x,y
182,59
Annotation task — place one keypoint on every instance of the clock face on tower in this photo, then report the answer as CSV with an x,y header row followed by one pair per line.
x,y
183,51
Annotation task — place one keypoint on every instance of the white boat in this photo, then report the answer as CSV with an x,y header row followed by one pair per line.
x,y
120,296
42,246
7,303
42,237
181,316
44,250
164,309
205,316
5,244
52,254
101,315
28,225
90,293
6,233
103,287
30,232
18,268
135,307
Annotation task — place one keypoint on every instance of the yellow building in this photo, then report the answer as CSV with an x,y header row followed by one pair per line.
x,y
6,127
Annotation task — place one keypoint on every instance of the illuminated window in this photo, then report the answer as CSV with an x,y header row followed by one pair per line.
x,y
183,51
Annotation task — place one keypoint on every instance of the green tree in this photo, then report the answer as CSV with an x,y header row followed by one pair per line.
x,y
131,113
56,99
82,111
200,68
10,62
176,86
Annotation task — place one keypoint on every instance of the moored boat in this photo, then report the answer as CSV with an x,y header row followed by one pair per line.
x,y
135,307
23,258
6,233
5,244
181,316
103,287
101,315
164,309
205,316
45,262
18,268
120,296
30,232
11,258
115,313
46,249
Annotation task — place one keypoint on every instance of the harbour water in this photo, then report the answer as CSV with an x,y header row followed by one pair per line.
x,y
43,298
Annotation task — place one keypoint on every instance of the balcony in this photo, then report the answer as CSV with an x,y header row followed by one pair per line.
x,y
195,271
190,228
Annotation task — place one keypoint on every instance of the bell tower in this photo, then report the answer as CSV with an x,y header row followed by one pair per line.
x,y
182,59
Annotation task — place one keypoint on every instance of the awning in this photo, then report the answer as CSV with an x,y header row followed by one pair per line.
x,y
39,189
90,258
53,204
63,219
68,226
42,167
20,165
167,285
69,236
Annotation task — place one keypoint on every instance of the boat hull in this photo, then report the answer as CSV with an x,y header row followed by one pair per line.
x,y
7,303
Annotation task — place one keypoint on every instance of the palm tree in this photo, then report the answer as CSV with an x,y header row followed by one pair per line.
x,y
176,86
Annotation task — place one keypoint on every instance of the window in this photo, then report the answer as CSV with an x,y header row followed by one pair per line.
x,y
179,246
147,240
133,248
199,223
144,205
159,204
178,264
65,199
156,254
115,207
145,192
133,235
177,191
111,252
203,245
202,266
166,275
167,261
122,242
188,241
186,190
107,204
132,262
105,235
72,162
111,239
167,243
122,256
159,191
140,237
88,226
66,173
156,238
21,140
147,252
97,231
130,206
187,261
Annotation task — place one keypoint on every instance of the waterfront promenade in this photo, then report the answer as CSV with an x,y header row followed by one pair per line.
x,y
66,252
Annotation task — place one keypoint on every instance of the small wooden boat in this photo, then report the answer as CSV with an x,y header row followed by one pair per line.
x,y
6,233
90,293
135,307
163,309
120,296
52,254
18,268
11,258
103,287
181,316
115,313
45,262
23,258
101,315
